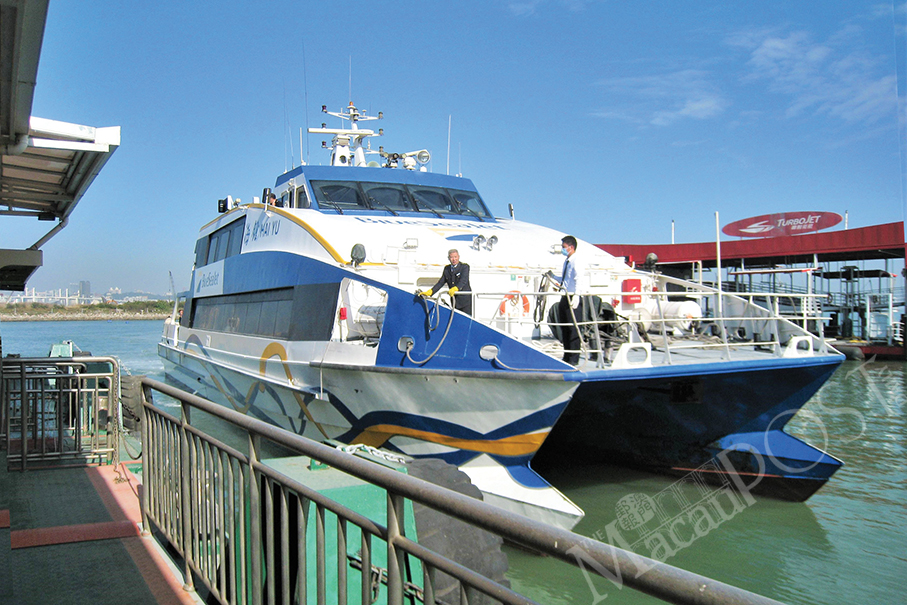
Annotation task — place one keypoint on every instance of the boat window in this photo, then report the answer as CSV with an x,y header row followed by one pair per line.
x,y
317,303
470,203
266,313
201,252
338,195
282,317
302,198
226,241
268,317
384,196
229,320
432,198
249,315
223,243
236,236
212,247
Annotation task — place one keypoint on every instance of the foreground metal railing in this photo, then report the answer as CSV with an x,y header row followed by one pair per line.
x,y
60,409
246,530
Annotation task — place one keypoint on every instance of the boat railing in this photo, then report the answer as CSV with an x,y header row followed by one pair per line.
x,y
785,323
896,329
242,527
55,410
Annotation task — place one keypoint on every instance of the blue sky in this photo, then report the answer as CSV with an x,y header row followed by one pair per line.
x,y
603,119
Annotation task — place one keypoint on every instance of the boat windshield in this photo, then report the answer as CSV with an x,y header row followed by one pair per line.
x,y
395,198
339,195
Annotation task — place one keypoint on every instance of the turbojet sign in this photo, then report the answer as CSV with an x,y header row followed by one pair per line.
x,y
788,223
209,280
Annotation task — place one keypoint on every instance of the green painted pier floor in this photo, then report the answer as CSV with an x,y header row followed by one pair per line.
x,y
72,535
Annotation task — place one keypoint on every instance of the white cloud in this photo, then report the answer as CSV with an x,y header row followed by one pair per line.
x,y
663,99
528,7
521,9
835,77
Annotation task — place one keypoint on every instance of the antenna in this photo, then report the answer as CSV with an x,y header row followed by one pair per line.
x,y
176,300
287,140
448,143
305,90
351,79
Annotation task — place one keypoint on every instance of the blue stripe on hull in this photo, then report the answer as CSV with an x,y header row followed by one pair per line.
x,y
406,316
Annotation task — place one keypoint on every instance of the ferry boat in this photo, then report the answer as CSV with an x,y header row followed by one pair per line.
x,y
310,310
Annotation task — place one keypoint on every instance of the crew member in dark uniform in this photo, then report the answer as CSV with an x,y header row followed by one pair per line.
x,y
456,277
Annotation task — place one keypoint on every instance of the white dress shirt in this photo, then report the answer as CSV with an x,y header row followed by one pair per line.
x,y
574,275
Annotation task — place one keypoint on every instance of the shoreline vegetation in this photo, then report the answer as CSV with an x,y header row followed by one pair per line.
x,y
157,310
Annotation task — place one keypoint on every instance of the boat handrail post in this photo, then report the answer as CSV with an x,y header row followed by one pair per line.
x,y
776,311
664,331
722,325
599,349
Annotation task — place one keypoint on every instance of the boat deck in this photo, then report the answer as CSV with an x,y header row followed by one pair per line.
x,y
689,353
72,535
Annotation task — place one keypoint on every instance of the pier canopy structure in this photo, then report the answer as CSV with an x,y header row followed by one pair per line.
x,y
854,270
46,166
877,242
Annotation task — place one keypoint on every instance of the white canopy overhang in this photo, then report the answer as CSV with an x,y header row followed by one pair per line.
x,y
46,166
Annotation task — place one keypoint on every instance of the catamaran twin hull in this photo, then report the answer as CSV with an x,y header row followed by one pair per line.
x,y
487,416
679,419
304,313
487,422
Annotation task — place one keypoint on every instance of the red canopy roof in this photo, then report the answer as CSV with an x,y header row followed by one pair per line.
x,y
877,241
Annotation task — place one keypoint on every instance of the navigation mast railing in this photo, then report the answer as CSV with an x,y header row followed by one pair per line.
x,y
204,496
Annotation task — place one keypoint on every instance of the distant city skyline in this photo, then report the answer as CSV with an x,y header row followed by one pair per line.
x,y
78,292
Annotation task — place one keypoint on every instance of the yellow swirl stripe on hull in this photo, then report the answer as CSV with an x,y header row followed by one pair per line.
x,y
275,349
517,445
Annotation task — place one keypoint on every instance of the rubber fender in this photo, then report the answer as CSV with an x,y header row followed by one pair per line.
x,y
131,400
470,546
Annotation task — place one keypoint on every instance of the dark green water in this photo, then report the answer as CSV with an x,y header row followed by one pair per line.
x,y
847,544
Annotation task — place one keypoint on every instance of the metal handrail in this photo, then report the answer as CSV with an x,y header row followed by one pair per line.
x,y
196,489
55,405
759,314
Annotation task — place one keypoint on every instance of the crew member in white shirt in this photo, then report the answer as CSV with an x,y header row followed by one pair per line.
x,y
570,307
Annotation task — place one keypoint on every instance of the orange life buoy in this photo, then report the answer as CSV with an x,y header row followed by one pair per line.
x,y
513,298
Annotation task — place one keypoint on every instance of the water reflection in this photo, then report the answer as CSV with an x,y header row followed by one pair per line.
x,y
821,551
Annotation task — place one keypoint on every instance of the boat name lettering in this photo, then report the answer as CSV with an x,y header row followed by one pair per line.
x,y
262,228
423,223
804,222
207,280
